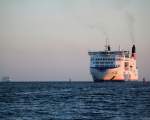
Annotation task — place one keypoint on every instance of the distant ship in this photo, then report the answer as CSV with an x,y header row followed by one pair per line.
x,y
5,79
110,65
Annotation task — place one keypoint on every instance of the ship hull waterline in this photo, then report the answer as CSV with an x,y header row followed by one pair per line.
x,y
109,75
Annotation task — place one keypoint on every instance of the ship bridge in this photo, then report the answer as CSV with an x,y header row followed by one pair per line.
x,y
121,53
107,59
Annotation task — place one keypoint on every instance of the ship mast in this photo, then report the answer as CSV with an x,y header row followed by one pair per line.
x,y
107,46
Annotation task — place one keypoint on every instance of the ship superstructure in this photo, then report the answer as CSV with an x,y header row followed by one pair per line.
x,y
110,65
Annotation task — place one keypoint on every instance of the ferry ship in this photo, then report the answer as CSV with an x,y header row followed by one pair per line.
x,y
110,65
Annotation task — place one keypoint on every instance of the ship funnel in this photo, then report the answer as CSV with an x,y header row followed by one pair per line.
x,y
133,49
133,52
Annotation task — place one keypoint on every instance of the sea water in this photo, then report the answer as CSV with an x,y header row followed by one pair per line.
x,y
75,101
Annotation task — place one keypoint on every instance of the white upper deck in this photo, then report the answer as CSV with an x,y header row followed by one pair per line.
x,y
125,54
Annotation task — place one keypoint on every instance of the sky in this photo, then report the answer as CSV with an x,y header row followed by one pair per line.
x,y
49,40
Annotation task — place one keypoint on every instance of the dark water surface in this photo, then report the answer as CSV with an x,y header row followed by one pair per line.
x,y
74,101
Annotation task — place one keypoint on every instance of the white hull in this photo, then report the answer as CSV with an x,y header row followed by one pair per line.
x,y
114,74
109,74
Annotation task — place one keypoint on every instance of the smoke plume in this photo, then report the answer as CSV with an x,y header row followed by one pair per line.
x,y
130,22
123,5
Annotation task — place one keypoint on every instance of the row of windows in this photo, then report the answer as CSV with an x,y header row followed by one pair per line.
x,y
102,62
112,66
105,59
